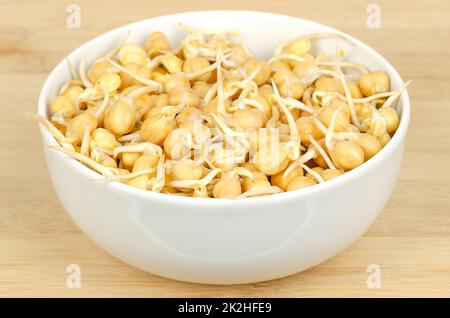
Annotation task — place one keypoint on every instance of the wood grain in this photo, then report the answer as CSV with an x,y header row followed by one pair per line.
x,y
410,240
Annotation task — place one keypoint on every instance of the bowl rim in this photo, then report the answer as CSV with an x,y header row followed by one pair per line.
x,y
329,185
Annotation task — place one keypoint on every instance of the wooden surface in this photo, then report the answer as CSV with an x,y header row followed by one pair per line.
x,y
410,241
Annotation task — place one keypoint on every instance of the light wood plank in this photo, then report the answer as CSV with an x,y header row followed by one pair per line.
x,y
410,240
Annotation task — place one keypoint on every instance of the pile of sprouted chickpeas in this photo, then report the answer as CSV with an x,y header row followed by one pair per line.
x,y
207,119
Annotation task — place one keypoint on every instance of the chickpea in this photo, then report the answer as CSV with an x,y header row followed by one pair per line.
x,y
284,129
300,182
282,75
315,169
145,161
129,89
329,84
175,80
374,82
307,97
329,174
224,159
77,126
143,104
266,91
263,138
200,193
108,162
299,46
259,181
230,88
354,89
172,63
194,64
279,66
294,112
271,160
97,70
92,110
128,159
73,92
249,166
180,94
111,82
342,119
282,181
199,131
384,139
139,182
132,53
103,138
188,114
264,70
247,119
211,107
266,106
156,129
186,171
126,80
153,112
159,74
219,42
369,144
337,103
156,44
238,54
227,187
306,126
120,118
288,84
303,69
162,100
174,146
391,117
201,88
347,155
63,105
362,111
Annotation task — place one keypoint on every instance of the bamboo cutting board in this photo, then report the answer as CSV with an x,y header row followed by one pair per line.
x,y
408,245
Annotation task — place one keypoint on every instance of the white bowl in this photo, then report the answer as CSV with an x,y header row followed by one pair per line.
x,y
218,241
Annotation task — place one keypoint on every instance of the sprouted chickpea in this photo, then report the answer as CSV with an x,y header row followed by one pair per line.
x,y
374,82
195,64
64,106
347,155
264,70
156,129
157,43
185,170
230,185
391,117
300,182
77,126
103,139
207,119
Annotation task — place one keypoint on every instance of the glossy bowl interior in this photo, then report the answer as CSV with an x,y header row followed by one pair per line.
x,y
216,240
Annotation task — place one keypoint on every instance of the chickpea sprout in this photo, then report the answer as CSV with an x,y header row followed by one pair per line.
x,y
208,119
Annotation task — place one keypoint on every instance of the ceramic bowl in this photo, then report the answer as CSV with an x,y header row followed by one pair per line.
x,y
218,241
